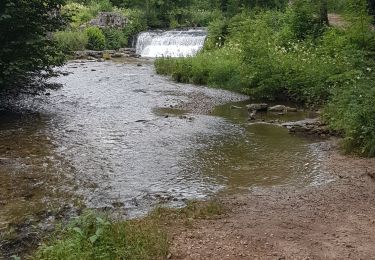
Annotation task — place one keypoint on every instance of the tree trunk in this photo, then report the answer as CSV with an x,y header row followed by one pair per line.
x,y
324,12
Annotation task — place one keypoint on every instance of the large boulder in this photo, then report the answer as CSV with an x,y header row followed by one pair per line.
x,y
257,107
109,20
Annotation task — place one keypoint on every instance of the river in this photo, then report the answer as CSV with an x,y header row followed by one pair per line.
x,y
119,137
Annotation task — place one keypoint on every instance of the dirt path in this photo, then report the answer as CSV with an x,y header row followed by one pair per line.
x,y
336,20
332,221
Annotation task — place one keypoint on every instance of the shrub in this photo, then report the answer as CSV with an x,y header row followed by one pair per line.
x,y
217,33
71,40
137,23
78,13
202,17
114,39
352,111
95,38
97,6
304,20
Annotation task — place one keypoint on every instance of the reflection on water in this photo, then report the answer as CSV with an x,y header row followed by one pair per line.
x,y
264,154
111,137
29,169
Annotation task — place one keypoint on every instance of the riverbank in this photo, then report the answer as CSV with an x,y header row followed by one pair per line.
x,y
330,221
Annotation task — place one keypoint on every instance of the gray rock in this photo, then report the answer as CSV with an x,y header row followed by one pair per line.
x,y
252,115
109,51
95,54
277,108
127,50
291,109
109,20
282,108
257,107
117,55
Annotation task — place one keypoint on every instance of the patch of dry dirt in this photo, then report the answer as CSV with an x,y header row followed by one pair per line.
x,y
331,221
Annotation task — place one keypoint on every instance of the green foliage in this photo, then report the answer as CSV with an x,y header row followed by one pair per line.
x,y
336,6
95,38
78,13
27,54
303,18
71,40
217,33
352,111
137,23
92,236
114,39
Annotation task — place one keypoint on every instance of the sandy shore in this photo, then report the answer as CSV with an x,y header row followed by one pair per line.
x,y
331,221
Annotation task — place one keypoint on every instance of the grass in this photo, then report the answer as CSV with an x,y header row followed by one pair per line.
x,y
96,236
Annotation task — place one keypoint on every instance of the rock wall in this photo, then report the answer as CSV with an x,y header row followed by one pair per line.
x,y
109,20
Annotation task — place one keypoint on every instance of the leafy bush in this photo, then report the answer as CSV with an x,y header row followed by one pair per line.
x,y
203,18
114,39
95,38
352,111
78,13
137,23
304,19
96,237
217,33
71,40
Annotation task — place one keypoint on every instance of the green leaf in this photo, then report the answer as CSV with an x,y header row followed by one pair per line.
x,y
78,230
93,239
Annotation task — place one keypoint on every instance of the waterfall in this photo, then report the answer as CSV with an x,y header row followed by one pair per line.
x,y
170,43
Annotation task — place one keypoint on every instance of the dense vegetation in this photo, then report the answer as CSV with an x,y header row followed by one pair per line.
x,y
27,52
293,54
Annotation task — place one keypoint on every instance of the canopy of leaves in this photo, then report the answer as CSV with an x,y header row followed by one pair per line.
x,y
27,52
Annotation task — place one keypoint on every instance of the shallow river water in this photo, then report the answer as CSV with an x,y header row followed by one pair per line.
x,y
114,137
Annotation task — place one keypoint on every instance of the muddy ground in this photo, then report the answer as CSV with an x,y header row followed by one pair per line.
x,y
331,221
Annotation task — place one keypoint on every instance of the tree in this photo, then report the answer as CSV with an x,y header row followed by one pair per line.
x,y
324,12
27,51
371,7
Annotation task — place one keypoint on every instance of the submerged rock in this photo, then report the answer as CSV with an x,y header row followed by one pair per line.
x,y
252,115
282,108
277,108
311,127
257,107
291,109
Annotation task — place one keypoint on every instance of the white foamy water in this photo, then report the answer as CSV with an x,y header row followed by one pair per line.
x,y
170,43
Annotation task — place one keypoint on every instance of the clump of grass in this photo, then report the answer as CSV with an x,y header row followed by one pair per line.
x,y
93,236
